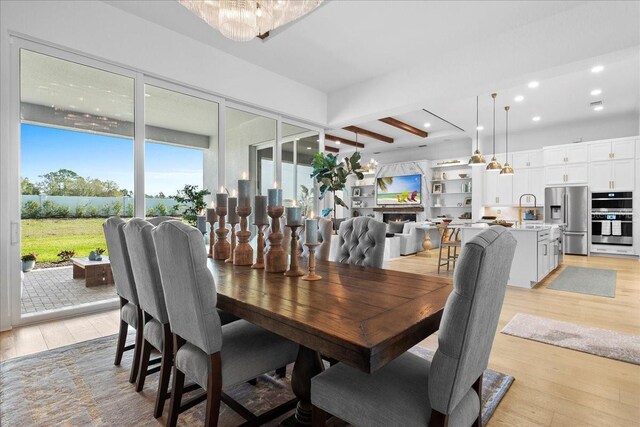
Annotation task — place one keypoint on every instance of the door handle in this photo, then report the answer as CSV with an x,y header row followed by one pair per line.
x,y
573,233
545,249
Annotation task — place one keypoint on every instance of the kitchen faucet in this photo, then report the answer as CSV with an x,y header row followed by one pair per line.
x,y
535,205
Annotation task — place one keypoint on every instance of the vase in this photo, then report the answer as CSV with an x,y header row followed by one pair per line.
x,y
28,265
98,258
92,256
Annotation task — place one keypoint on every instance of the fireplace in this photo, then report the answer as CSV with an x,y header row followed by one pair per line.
x,y
388,217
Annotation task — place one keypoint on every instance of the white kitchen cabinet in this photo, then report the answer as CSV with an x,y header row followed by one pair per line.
x,y
489,188
565,154
497,189
528,181
612,150
527,159
612,175
566,174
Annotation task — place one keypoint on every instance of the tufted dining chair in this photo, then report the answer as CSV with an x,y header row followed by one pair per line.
x,y
286,239
157,220
207,353
361,242
412,391
130,313
325,230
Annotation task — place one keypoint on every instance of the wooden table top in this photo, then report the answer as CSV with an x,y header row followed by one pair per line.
x,y
362,316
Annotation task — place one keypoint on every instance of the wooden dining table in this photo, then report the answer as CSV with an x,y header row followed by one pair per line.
x,y
361,316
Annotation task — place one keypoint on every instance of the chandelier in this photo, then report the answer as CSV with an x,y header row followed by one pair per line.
x,y
243,20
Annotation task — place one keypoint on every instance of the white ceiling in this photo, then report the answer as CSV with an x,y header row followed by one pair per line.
x,y
346,42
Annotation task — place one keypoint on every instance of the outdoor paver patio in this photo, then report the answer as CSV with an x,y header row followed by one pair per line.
x,y
53,288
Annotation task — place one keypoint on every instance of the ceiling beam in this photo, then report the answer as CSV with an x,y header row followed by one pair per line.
x,y
404,126
344,141
331,149
368,133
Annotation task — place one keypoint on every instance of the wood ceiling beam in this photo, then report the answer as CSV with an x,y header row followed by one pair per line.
x,y
344,141
331,149
404,126
368,133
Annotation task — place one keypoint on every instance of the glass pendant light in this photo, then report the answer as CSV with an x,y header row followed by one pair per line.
x,y
477,158
506,170
494,164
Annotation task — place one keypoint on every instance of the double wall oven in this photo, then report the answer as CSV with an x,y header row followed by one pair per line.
x,y
612,222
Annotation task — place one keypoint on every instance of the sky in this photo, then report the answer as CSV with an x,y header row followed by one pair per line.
x,y
405,183
167,168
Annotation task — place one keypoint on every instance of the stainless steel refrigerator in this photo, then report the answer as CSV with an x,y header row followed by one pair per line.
x,y
569,206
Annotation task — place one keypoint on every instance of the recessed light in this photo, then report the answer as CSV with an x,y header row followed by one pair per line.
x,y
427,125
598,108
596,92
536,118
308,148
597,68
533,84
519,98
480,128
338,142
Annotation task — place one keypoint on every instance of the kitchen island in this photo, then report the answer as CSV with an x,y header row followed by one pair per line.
x,y
538,252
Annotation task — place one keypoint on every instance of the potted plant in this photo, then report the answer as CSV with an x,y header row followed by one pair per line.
x,y
192,200
332,174
28,261
99,252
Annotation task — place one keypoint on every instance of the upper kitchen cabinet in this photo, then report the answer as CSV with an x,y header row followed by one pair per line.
x,y
566,174
527,159
497,189
612,150
612,175
530,182
565,154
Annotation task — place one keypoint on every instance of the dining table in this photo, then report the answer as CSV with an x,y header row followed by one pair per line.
x,y
362,316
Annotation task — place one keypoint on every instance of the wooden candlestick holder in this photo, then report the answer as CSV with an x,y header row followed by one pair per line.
x,y
275,260
294,269
221,248
243,253
211,239
311,274
259,264
233,243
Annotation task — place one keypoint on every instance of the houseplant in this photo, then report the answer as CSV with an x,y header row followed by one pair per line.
x,y
332,174
28,261
192,201
99,252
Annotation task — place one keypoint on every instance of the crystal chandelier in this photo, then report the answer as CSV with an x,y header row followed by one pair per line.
x,y
243,20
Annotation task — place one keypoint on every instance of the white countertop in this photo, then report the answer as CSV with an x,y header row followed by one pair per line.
x,y
537,227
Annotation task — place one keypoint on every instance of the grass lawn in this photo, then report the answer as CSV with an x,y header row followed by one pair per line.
x,y
47,237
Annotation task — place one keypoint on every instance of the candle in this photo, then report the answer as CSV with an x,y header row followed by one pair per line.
x,y
311,230
232,216
202,223
244,193
212,216
221,198
294,215
260,210
275,196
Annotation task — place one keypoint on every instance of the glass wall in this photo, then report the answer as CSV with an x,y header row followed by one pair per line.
x,y
299,145
181,133
76,169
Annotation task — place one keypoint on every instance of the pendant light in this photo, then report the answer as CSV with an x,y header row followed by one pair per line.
x,y
477,158
494,165
506,170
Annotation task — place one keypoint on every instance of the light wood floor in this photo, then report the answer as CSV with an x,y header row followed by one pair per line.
x,y
553,386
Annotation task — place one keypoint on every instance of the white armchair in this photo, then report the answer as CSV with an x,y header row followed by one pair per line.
x,y
410,239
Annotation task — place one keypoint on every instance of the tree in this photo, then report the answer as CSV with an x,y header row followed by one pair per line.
x,y
192,200
28,188
66,182
332,175
58,183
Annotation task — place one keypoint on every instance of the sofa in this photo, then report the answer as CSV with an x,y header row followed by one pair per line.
x,y
410,239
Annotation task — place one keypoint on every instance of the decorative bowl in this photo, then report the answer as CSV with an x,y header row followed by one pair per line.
x,y
463,175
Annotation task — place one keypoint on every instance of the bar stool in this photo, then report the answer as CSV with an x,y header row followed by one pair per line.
x,y
449,239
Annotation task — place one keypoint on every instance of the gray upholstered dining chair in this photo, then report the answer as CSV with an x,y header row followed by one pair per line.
x,y
361,242
412,391
130,313
325,230
157,220
211,355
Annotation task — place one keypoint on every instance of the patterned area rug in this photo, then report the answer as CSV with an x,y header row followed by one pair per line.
x,y
600,342
78,385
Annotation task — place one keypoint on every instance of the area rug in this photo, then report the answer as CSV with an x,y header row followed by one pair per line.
x,y
600,342
78,385
590,281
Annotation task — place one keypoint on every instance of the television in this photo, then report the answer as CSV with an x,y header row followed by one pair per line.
x,y
399,190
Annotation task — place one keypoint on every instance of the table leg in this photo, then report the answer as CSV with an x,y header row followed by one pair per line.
x,y
78,272
426,245
308,364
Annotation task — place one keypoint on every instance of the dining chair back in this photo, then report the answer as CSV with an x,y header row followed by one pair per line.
x,y
157,220
361,242
325,230
119,258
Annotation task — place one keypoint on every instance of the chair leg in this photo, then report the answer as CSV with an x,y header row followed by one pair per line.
x,y
178,387
144,365
477,386
165,371
135,364
122,340
440,258
318,417
214,390
438,419
281,372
